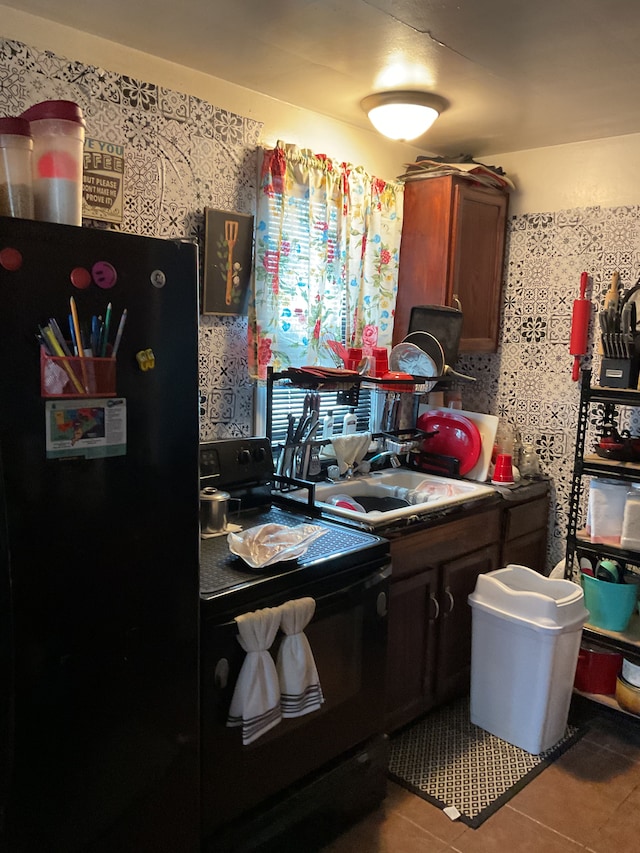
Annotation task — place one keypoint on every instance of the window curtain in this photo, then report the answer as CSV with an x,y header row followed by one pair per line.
x,y
326,259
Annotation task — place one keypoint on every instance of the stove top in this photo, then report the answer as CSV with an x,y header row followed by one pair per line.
x,y
244,468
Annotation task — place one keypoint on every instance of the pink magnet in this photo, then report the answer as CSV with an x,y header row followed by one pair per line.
x,y
80,278
104,274
10,259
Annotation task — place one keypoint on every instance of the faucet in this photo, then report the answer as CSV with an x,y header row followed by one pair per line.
x,y
391,455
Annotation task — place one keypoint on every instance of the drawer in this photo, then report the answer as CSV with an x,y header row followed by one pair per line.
x,y
413,552
526,518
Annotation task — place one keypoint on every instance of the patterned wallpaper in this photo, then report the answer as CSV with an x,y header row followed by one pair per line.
x,y
528,381
182,154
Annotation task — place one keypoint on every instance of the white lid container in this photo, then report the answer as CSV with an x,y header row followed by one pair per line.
x,y
16,189
519,594
57,128
630,537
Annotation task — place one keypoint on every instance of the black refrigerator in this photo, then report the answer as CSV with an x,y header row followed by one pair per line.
x,y
99,547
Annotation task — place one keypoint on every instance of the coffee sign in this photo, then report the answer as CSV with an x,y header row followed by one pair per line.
x,y
102,180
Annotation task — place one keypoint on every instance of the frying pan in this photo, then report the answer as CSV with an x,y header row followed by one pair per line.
x,y
431,345
414,360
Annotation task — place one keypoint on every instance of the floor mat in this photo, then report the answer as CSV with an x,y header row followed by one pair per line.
x,y
448,761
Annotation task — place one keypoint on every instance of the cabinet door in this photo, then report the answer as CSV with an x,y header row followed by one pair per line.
x,y
477,249
452,251
458,580
413,611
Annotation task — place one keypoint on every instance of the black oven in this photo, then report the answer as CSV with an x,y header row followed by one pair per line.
x,y
314,771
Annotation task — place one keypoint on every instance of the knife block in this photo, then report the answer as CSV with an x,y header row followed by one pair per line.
x,y
619,372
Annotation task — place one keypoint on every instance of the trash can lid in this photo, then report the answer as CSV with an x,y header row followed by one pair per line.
x,y
520,594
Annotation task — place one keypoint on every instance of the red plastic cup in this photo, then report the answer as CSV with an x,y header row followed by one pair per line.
x,y
503,472
381,364
354,357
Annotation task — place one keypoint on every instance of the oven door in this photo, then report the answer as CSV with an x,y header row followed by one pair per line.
x,y
347,636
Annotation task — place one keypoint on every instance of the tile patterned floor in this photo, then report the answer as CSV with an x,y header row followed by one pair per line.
x,y
588,800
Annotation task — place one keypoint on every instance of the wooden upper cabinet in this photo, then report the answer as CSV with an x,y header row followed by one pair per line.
x,y
452,253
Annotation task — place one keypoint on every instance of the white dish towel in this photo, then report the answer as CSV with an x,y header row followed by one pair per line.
x,y
300,688
350,449
256,699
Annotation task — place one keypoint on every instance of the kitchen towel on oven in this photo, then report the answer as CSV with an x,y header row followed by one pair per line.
x,y
300,688
256,699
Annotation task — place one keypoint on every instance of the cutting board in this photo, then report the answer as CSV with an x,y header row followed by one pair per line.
x,y
487,427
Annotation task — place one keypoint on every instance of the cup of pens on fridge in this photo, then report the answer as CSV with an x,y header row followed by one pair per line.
x,y
84,363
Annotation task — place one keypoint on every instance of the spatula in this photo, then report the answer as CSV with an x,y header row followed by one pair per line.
x,y
231,236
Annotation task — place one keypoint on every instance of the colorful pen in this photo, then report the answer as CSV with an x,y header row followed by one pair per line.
x,y
116,344
72,332
105,332
95,335
55,346
57,331
78,333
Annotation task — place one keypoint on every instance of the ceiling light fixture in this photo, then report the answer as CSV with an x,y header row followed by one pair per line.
x,y
403,115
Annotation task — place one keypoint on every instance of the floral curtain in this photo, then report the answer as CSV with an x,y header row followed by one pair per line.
x,y
326,259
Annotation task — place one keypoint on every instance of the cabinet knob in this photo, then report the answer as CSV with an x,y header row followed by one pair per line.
x,y
456,302
221,674
381,604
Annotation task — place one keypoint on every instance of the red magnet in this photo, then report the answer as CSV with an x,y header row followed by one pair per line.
x,y
10,259
104,274
80,278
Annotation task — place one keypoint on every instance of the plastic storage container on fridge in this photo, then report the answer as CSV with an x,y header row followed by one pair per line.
x,y
16,189
526,633
57,128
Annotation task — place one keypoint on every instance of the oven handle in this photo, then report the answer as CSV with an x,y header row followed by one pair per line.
x,y
361,584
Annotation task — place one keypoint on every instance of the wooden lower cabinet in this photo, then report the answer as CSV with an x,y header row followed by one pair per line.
x,y
413,619
429,639
458,580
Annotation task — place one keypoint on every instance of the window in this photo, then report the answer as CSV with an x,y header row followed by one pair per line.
x,y
287,399
326,263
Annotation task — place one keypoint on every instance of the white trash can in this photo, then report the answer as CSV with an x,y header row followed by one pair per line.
x,y
525,642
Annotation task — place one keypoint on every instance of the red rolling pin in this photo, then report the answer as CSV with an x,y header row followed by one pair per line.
x,y
580,326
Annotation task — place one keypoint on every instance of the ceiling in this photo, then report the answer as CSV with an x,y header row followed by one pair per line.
x,y
518,74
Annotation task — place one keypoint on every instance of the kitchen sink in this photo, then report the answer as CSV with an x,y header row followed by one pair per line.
x,y
384,497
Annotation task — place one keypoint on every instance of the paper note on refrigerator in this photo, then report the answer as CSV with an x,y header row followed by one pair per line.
x,y
92,428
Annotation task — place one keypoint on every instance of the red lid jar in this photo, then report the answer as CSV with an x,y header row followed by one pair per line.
x,y
58,129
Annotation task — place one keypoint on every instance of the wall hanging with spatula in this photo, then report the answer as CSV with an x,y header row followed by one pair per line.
x,y
228,248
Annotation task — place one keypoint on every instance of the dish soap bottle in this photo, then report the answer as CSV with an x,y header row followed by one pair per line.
x,y
327,425
350,423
